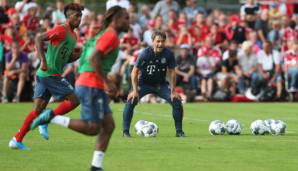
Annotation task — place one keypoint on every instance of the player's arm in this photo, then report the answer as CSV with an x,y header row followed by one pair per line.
x,y
172,75
40,38
134,81
56,35
172,79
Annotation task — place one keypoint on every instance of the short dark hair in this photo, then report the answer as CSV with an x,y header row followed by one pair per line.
x,y
158,33
73,7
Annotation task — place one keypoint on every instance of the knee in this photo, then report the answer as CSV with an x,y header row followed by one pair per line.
x,y
176,103
92,130
109,129
75,101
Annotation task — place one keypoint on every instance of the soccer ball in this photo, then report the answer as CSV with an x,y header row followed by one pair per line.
x,y
146,129
259,127
217,127
278,127
139,125
233,127
268,122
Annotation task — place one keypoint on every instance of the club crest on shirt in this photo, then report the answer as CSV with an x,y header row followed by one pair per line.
x,y
163,60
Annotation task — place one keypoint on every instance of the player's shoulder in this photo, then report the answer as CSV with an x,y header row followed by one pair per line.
x,y
148,51
168,52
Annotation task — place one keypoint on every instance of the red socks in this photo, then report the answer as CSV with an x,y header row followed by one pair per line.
x,y
26,126
64,107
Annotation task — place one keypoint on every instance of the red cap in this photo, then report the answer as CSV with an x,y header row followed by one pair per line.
x,y
234,18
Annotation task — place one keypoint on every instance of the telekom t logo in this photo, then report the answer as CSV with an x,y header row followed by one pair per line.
x,y
150,69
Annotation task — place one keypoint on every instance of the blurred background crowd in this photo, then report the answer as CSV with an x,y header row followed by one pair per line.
x,y
245,55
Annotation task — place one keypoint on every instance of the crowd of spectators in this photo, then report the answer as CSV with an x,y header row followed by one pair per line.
x,y
248,55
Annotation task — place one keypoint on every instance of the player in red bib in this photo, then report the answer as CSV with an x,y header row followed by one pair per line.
x,y
98,56
49,82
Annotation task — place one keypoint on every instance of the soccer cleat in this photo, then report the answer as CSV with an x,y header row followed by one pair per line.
x,y
126,134
44,118
13,144
180,134
93,168
43,131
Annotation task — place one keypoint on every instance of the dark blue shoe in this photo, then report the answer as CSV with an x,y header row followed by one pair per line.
x,y
180,134
44,118
96,168
126,134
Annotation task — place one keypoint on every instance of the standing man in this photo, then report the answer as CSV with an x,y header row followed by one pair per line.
x,y
152,65
100,53
48,78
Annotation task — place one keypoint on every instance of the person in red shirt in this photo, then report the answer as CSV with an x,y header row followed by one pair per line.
x,y
129,41
200,24
184,37
31,21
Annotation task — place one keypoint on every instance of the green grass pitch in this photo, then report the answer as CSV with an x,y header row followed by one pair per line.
x,y
67,150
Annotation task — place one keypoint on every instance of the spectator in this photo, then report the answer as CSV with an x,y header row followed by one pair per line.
x,y
262,26
122,3
185,69
247,58
209,58
192,9
30,20
163,7
201,25
129,41
58,16
269,68
23,6
16,69
248,13
234,31
231,74
136,28
144,16
274,35
148,33
184,37
291,67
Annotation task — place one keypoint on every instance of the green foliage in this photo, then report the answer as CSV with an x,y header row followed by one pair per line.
x,y
67,150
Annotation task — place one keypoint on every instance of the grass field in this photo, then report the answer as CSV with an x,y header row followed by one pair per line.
x,y
67,150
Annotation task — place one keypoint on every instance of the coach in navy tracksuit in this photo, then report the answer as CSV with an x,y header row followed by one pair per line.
x,y
149,76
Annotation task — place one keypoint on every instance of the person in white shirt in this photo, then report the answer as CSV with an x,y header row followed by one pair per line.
x,y
122,3
248,62
269,67
58,16
23,6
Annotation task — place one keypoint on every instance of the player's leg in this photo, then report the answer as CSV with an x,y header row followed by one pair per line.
x,y
107,126
177,108
90,102
103,138
129,109
16,142
61,89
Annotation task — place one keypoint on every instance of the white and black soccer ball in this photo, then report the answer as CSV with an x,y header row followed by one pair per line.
x,y
233,127
150,130
146,129
258,127
217,127
278,127
268,122
139,125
